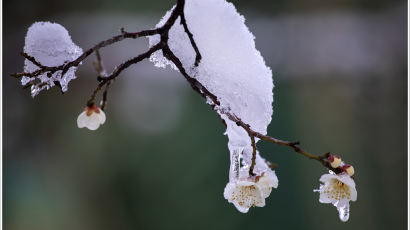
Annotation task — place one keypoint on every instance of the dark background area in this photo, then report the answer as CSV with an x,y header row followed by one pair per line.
x,y
161,160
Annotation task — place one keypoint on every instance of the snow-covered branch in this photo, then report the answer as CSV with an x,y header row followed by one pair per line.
x,y
64,67
215,52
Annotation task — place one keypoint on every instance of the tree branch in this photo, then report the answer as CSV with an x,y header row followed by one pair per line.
x,y
33,60
98,65
121,68
204,92
104,97
191,39
163,45
77,61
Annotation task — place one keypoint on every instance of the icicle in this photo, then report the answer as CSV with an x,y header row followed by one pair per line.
x,y
344,212
235,163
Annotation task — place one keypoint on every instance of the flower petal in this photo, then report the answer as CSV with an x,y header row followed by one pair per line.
x,y
244,194
324,196
81,120
268,181
101,117
93,122
327,177
346,179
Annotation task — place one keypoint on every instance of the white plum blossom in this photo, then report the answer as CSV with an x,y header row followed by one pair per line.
x,y
339,190
91,118
244,194
250,193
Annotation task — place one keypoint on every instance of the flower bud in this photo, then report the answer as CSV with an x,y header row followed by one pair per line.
x,y
348,169
334,161
92,117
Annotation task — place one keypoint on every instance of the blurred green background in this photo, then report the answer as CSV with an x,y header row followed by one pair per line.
x,y
161,160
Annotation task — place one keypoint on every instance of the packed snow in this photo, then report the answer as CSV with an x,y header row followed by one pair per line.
x,y
231,68
51,45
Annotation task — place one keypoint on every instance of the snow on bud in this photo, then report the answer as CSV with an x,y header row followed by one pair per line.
x,y
348,169
334,161
338,190
91,118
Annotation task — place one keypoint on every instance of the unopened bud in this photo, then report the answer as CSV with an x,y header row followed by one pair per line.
x,y
334,161
348,169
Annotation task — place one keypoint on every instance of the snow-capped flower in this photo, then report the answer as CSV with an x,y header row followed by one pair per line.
x,y
91,118
250,193
339,190
334,161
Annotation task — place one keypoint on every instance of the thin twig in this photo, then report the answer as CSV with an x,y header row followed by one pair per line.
x,y
33,60
294,145
253,155
191,39
105,97
98,65
121,68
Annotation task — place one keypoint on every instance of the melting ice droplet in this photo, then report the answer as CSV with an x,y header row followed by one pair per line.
x,y
344,212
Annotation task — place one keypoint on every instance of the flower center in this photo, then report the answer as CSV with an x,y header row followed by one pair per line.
x,y
246,196
90,110
337,190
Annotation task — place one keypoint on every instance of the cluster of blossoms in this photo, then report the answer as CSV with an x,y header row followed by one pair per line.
x,y
245,191
338,189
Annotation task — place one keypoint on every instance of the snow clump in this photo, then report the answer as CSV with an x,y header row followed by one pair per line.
x,y
51,45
